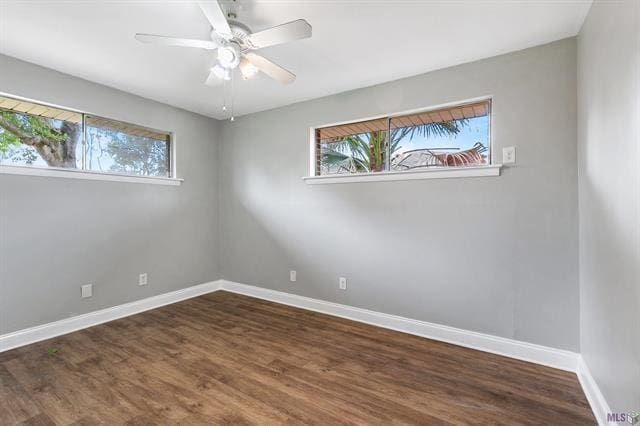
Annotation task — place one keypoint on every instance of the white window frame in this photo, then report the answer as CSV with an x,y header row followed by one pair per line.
x,y
90,174
491,169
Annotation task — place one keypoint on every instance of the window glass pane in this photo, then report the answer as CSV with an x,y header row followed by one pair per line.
x,y
352,148
452,137
116,147
38,135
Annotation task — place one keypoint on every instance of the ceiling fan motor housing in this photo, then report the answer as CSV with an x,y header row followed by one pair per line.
x,y
240,34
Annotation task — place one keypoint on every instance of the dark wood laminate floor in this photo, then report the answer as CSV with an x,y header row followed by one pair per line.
x,y
230,359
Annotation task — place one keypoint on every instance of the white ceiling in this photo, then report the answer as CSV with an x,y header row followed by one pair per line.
x,y
354,43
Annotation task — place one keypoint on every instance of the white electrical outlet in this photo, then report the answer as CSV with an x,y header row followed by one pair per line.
x,y
509,155
142,279
293,276
86,291
342,283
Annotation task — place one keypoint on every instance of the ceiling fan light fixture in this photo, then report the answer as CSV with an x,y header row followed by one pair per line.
x,y
229,56
221,73
247,69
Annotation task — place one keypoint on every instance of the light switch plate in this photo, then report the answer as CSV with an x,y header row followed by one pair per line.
x,y
86,291
509,155
293,276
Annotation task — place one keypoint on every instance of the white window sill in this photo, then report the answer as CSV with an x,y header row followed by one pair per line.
x,y
432,173
87,175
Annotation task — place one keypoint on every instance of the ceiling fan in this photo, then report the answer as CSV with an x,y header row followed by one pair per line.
x,y
235,44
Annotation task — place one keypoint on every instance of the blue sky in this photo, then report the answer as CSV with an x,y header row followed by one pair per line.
x,y
477,130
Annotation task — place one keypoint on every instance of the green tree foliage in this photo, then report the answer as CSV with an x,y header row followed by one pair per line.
x,y
25,137
138,155
125,153
367,152
53,140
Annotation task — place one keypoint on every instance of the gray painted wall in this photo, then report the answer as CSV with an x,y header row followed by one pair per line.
x,y
609,170
496,255
56,234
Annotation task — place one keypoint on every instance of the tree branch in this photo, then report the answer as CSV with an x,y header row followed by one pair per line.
x,y
24,137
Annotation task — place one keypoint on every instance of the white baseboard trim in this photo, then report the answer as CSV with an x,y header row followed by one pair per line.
x,y
598,403
538,354
68,325
551,357
556,358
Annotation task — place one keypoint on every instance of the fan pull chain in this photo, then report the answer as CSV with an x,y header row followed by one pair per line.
x,y
232,85
224,95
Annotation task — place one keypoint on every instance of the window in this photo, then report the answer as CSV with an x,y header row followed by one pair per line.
x,y
457,136
41,136
112,146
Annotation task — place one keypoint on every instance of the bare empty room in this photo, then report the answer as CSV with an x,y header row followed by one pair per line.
x,y
326,212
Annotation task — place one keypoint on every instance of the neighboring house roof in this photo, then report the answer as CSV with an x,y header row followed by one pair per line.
x,y
429,157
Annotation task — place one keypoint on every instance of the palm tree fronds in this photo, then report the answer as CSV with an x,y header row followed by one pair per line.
x,y
368,151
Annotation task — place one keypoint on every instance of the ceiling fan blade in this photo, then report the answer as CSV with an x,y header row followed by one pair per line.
x,y
175,41
269,68
291,31
216,17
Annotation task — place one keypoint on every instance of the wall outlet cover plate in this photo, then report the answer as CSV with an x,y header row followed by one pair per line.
x,y
342,283
86,291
